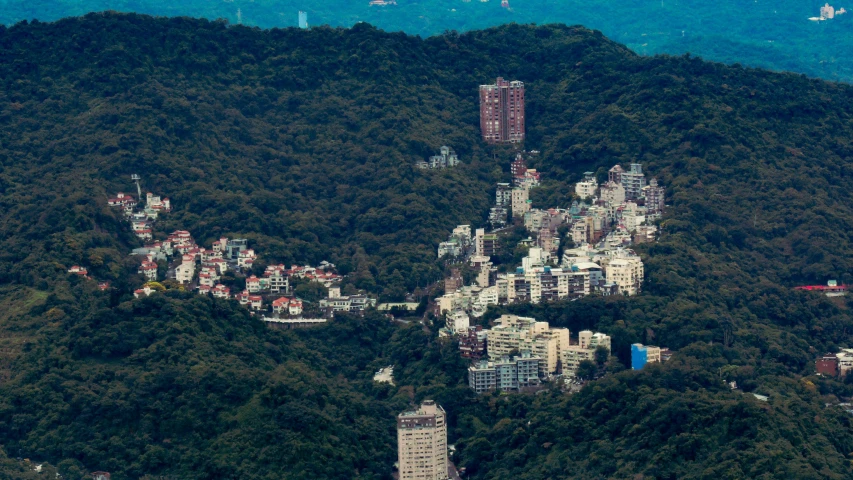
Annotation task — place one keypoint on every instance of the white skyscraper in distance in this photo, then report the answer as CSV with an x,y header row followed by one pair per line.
x,y
303,19
422,443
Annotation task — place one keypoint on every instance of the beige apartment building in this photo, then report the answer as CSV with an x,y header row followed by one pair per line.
x,y
520,204
422,443
525,334
627,273
588,342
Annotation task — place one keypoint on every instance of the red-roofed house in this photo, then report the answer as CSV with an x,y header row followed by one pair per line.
x,y
244,256
78,270
243,297
295,307
221,291
253,284
280,305
149,269
277,278
205,279
256,302
143,292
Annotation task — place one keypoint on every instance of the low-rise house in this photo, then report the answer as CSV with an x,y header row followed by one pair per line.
x,y
219,264
835,364
208,255
246,258
287,306
206,279
184,272
277,279
221,291
153,202
256,302
588,187
78,270
234,247
242,297
143,292
149,270
253,284
446,159
346,303
121,200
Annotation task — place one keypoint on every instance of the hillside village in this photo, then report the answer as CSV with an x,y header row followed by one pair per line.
x,y
518,353
180,259
570,253
601,224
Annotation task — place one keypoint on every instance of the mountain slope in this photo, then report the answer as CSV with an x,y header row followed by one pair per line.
x,y
304,142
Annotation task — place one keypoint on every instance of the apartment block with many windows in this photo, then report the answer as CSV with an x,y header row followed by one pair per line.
x,y
502,111
422,443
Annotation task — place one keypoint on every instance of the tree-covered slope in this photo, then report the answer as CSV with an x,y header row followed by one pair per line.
x,y
304,142
770,34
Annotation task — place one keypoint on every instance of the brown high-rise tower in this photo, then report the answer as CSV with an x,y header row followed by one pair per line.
x,y
502,111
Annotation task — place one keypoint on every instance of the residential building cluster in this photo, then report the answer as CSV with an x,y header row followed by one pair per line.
x,y
141,221
336,302
828,12
514,198
835,364
603,225
445,159
269,295
519,352
84,272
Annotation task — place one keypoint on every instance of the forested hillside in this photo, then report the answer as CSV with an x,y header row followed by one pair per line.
x,y
773,34
304,142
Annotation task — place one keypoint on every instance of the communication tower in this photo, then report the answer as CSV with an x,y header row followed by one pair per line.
x,y
136,179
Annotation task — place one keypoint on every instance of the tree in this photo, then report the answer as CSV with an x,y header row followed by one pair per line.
x,y
586,370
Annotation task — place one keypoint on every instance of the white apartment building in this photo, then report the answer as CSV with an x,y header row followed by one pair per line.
x,y
627,273
422,443
520,203
457,321
184,272
586,189
613,193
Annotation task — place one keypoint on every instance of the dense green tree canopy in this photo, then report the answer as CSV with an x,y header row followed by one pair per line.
x,y
304,143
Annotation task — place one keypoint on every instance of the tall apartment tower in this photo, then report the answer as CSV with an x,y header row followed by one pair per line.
x,y
303,19
422,443
502,111
633,180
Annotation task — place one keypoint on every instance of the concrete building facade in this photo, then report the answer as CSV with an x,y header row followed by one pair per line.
x,y
643,354
502,111
422,443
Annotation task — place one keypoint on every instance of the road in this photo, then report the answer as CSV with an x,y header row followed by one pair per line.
x,y
452,474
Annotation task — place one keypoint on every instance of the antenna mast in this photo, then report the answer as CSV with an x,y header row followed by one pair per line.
x,y
136,179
